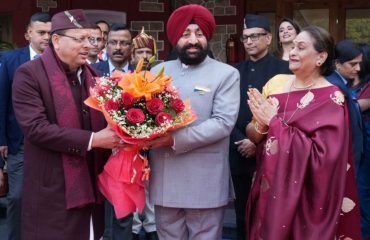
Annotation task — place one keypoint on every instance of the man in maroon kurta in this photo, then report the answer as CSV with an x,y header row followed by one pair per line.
x,y
62,136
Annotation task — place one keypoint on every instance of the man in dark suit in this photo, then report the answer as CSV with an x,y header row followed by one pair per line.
x,y
254,73
119,51
11,137
104,27
64,139
97,45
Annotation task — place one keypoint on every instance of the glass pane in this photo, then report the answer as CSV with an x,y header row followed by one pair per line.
x,y
358,25
107,15
319,17
5,32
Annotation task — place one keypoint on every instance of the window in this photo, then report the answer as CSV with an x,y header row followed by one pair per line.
x,y
358,25
109,16
319,17
5,27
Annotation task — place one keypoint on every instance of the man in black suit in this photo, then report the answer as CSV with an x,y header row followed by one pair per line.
x,y
254,73
119,51
11,137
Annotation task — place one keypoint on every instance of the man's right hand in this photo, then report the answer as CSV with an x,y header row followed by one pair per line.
x,y
107,138
4,151
246,148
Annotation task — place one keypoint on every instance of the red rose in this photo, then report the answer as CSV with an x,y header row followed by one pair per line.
x,y
127,99
102,90
115,79
177,105
162,117
111,105
135,115
155,106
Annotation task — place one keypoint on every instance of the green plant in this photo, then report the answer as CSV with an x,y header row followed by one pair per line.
x,y
6,46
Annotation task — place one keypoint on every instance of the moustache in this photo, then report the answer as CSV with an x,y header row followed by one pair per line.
x,y
197,46
117,53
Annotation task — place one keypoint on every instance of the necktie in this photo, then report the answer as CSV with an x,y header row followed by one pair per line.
x,y
36,56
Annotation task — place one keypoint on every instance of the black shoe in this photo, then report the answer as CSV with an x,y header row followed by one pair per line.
x,y
151,236
135,236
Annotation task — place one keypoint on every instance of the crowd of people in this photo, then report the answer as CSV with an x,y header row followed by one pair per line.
x,y
283,134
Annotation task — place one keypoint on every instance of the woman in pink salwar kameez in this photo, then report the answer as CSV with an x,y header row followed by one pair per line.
x,y
304,186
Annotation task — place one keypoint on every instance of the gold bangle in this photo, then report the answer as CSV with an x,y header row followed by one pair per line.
x,y
257,129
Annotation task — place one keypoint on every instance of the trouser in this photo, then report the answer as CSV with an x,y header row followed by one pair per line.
x,y
116,229
242,184
149,219
14,197
189,223
363,186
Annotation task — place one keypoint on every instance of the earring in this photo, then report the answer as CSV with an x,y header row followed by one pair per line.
x,y
319,63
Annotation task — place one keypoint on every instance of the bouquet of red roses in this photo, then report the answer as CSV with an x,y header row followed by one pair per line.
x,y
139,106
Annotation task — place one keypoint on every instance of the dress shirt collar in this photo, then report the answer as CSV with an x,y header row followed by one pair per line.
x,y
112,67
33,53
88,61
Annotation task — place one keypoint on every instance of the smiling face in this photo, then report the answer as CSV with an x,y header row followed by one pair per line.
x,y
304,57
192,47
287,32
72,47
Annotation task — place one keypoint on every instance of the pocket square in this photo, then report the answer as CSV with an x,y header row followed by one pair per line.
x,y
201,89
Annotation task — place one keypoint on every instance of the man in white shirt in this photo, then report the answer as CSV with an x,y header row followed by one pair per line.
x,y
104,27
97,42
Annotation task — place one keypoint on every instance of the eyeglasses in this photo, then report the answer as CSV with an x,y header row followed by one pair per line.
x,y
80,40
254,37
95,40
114,43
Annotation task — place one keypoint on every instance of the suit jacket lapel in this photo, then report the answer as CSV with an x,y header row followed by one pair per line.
x,y
25,55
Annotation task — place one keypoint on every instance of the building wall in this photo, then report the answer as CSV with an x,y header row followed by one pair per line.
x,y
222,10
152,14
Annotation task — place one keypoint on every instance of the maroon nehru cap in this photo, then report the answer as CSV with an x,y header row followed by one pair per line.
x,y
69,19
183,16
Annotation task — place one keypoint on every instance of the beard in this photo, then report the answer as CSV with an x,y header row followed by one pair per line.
x,y
192,59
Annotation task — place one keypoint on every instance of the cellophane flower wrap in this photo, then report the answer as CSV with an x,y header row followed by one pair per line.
x,y
138,106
